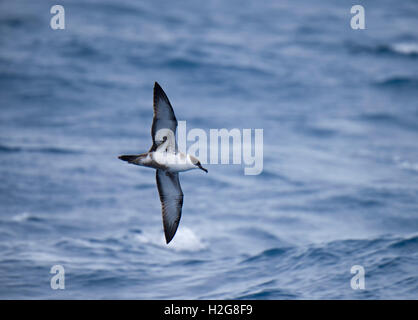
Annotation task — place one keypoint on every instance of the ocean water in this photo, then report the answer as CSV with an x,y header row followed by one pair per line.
x,y
339,112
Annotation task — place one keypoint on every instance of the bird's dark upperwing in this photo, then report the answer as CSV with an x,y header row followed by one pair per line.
x,y
164,118
171,198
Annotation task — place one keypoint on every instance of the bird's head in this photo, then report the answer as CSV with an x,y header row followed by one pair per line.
x,y
195,161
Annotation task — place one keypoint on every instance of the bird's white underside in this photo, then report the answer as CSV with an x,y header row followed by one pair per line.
x,y
174,162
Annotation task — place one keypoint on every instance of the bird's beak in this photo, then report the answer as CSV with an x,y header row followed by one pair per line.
x,y
206,170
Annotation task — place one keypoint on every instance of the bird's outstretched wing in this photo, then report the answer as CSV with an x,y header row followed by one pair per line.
x,y
171,198
164,123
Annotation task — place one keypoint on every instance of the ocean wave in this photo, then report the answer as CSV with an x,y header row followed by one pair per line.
x,y
47,149
329,263
268,294
396,82
266,255
389,119
406,244
26,217
404,49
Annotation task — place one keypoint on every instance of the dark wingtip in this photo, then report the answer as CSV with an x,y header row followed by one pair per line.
x,y
170,232
169,237
160,94
158,91
157,88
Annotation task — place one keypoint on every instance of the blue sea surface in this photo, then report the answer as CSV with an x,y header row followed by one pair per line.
x,y
339,112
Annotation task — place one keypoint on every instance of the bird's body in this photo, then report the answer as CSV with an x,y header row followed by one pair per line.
x,y
175,162
168,160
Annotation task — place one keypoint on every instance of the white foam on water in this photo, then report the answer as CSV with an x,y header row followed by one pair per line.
x,y
409,165
406,48
405,164
21,217
184,240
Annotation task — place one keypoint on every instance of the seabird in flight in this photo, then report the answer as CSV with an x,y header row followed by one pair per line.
x,y
165,157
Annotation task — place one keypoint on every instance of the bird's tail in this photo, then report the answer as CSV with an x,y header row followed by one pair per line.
x,y
134,158
128,158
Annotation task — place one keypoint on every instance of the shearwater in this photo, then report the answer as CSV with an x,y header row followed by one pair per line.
x,y
168,160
